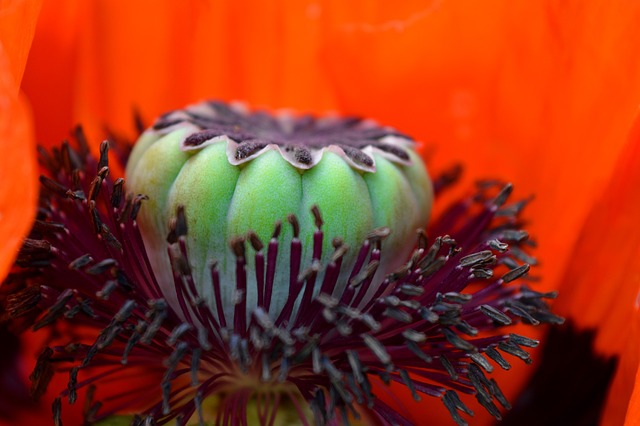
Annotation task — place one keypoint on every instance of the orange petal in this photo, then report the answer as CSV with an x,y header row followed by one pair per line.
x,y
540,93
49,80
17,165
602,281
115,56
17,25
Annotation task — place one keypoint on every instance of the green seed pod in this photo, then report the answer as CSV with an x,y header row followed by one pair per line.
x,y
236,171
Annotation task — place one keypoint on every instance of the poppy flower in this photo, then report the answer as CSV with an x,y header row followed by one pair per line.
x,y
521,92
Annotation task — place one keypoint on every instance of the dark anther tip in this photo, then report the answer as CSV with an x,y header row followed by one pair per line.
x,y
277,228
293,220
237,246
255,241
339,252
504,194
378,234
422,238
103,172
316,215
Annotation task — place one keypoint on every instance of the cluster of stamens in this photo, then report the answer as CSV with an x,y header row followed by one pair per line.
x,y
434,325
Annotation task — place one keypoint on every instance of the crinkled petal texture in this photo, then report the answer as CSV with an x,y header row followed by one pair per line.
x,y
17,163
602,281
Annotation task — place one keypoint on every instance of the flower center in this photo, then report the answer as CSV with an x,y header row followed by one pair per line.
x,y
236,173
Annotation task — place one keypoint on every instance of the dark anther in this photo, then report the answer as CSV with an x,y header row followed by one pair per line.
x,y
377,348
177,332
482,273
337,242
523,341
42,373
237,247
316,216
523,311
71,386
53,186
137,203
457,341
514,235
138,121
498,246
94,189
454,297
23,302
101,267
365,274
277,228
453,403
31,246
475,259
81,261
449,367
116,195
107,289
422,239
104,155
56,410
495,355
76,180
55,310
255,241
103,172
126,209
109,238
481,361
95,217
339,252
378,234
65,157
522,256
75,195
515,350
417,351
496,315
504,194
124,282
516,273
448,178
47,227
293,220
400,273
